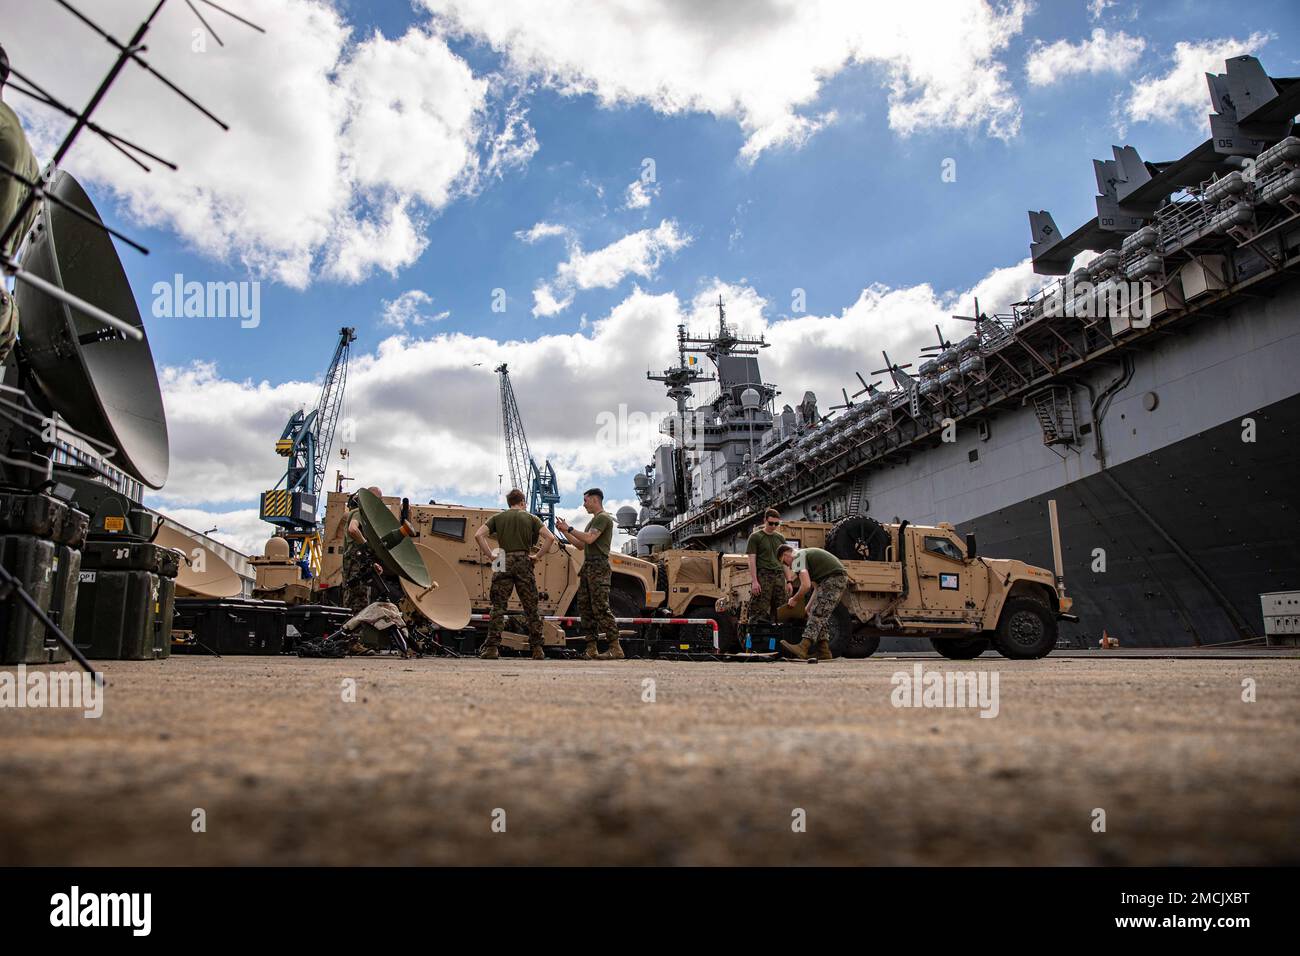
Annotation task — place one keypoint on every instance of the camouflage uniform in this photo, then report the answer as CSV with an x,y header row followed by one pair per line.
x,y
357,571
519,577
593,596
822,605
16,153
764,605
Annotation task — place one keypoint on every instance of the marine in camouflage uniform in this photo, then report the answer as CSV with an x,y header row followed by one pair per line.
x,y
594,580
823,569
357,570
522,538
768,569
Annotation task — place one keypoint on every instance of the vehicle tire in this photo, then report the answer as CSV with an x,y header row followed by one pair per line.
x,y
960,648
858,538
1026,630
624,603
849,638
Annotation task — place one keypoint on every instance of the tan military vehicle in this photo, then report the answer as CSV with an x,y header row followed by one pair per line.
x,y
449,530
919,581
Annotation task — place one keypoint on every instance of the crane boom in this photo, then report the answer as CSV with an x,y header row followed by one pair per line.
x,y
538,483
306,442
518,456
330,405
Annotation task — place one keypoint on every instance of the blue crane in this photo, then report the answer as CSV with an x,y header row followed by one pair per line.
x,y
306,441
538,483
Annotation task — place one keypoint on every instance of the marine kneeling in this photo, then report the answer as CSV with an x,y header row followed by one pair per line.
x,y
522,539
823,571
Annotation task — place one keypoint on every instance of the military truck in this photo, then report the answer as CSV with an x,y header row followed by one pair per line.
x,y
449,529
909,580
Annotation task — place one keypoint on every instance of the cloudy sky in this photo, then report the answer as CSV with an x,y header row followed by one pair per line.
x,y
469,183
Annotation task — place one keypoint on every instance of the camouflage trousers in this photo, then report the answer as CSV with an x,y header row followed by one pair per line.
x,y
822,605
764,605
357,575
593,600
520,578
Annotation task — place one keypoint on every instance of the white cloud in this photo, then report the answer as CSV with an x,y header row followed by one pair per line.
x,y
639,194
543,230
239,528
1097,7
1101,53
762,65
410,308
340,151
420,413
638,253
1181,95
547,302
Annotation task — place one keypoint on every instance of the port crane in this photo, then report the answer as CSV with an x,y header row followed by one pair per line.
x,y
306,441
538,483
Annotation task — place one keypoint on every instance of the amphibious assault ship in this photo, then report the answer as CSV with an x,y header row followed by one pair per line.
x,y
1152,393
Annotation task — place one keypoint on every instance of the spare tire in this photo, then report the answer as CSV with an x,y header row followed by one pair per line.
x,y
858,538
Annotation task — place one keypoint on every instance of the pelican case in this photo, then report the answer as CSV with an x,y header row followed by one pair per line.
x,y
125,600
763,638
63,601
232,625
31,561
43,516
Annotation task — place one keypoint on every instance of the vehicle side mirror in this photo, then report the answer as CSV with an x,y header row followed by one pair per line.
x,y
971,550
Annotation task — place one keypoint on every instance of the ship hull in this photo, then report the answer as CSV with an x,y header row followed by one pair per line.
x,y
1172,548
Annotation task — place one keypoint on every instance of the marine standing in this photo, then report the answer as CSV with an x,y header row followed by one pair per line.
x,y
593,580
16,153
359,562
517,533
822,570
767,581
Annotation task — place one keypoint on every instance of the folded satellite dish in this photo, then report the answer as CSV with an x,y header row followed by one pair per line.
x,y
446,601
101,382
203,572
390,540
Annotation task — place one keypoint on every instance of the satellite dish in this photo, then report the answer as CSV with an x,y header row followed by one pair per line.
x,y
101,382
445,601
390,540
203,572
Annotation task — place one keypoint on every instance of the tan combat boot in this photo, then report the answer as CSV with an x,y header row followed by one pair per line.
x,y
615,652
824,650
800,650
590,652
538,653
489,652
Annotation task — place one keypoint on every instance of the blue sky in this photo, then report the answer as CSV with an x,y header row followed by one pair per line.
x,y
859,203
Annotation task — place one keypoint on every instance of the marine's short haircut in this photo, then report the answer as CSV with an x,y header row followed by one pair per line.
x,y
772,513
783,549
594,491
516,497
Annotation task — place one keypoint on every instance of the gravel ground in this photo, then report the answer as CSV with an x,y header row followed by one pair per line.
x,y
714,771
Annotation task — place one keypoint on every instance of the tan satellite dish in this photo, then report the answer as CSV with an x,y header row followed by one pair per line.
x,y
203,572
446,601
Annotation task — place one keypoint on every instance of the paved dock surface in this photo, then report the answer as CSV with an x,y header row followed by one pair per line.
x,y
720,767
